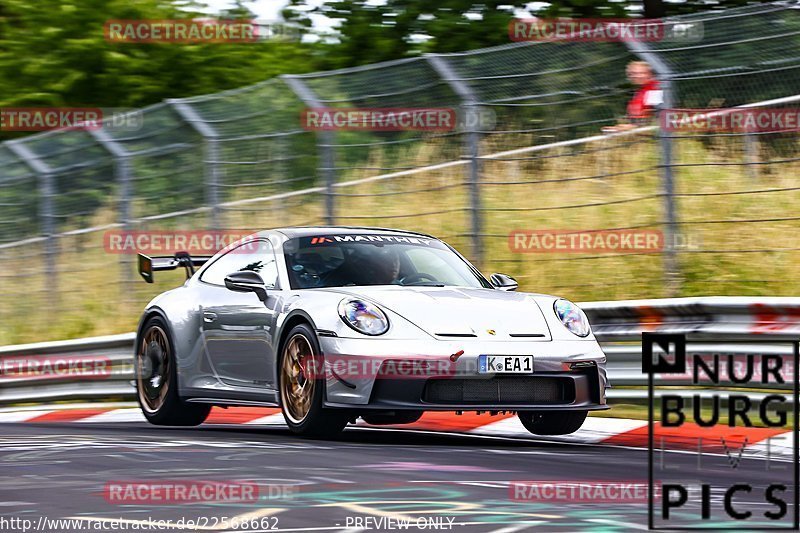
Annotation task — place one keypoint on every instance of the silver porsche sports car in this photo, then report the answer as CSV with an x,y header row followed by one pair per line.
x,y
336,323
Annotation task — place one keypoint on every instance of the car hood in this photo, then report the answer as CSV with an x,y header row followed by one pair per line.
x,y
451,312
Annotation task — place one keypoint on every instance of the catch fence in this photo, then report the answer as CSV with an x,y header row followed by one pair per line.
x,y
527,155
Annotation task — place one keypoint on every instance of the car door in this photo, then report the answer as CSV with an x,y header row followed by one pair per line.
x,y
237,326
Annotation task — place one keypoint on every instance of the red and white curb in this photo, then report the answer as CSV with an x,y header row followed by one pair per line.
x,y
753,442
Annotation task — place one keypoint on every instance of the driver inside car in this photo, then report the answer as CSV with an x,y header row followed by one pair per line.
x,y
387,267
375,267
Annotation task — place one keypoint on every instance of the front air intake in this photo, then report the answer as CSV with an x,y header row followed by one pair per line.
x,y
503,390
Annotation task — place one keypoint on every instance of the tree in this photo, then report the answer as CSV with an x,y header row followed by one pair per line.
x,y
368,31
54,53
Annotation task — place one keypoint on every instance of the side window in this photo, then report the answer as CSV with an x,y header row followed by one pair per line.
x,y
257,256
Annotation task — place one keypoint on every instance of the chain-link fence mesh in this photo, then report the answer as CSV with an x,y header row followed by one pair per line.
x,y
527,155
734,190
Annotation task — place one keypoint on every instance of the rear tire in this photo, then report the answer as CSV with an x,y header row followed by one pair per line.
x,y
552,422
157,380
301,398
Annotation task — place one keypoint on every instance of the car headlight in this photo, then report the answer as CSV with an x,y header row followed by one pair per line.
x,y
572,317
363,317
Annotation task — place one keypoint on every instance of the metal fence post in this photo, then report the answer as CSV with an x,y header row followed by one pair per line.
x,y
122,175
472,146
325,141
212,177
672,274
672,280
212,173
751,155
47,191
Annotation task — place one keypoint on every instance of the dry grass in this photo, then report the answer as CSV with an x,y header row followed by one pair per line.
x,y
89,298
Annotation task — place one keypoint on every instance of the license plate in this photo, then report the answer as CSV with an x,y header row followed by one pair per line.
x,y
505,364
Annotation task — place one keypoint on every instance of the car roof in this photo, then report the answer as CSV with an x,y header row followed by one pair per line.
x,y
306,231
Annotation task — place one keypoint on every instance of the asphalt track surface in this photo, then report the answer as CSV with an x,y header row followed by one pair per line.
x,y
61,471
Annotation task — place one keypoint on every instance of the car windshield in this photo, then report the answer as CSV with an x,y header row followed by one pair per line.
x,y
342,260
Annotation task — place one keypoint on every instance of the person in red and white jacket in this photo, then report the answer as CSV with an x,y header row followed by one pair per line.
x,y
648,96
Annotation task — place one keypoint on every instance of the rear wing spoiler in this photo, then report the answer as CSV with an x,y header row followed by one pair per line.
x,y
148,265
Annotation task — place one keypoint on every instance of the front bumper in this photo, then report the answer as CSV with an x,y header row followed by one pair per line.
x,y
457,386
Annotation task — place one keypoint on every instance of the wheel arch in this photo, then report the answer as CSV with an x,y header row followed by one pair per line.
x,y
152,312
293,319
147,315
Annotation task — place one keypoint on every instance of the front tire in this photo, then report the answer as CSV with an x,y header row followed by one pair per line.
x,y
552,422
157,380
302,390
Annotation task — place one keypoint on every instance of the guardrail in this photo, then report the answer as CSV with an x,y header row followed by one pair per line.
x,y
116,382
618,326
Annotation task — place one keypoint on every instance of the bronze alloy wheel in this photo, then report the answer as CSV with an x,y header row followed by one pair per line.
x,y
297,386
154,362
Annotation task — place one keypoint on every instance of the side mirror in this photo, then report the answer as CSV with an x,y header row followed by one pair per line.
x,y
246,281
503,282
